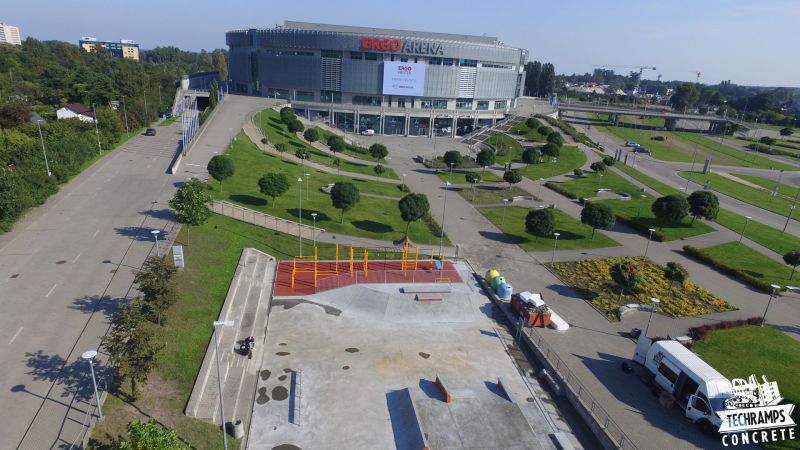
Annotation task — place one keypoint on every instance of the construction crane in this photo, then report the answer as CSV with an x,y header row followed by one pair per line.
x,y
697,80
641,69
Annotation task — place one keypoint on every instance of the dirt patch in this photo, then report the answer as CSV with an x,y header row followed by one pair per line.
x,y
282,344
286,447
287,370
14,276
262,396
351,350
424,355
292,302
265,375
345,367
280,393
282,377
283,353
529,399
63,261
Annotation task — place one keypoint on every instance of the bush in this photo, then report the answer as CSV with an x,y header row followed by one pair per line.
x,y
544,130
264,140
531,155
532,123
598,166
311,135
555,138
699,333
767,140
702,256
295,126
453,157
784,131
378,151
540,222
287,115
556,187
577,172
551,149
608,161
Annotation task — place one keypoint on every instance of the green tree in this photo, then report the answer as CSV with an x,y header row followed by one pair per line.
x,y
608,161
556,138
485,158
301,153
213,93
311,135
295,126
533,72
14,114
540,222
626,274
189,203
551,149
544,130
675,272
597,216
786,131
335,143
704,204
531,155
273,185
767,140
472,178
281,147
684,97
512,177
337,162
547,80
220,65
598,167
130,345
792,258
412,208
532,123
287,115
344,196
670,209
221,167
111,127
378,151
155,284
453,157
577,172
150,436
379,170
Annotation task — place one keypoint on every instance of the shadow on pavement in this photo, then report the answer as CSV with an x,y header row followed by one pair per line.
x,y
162,214
135,233
75,377
406,429
501,237
89,304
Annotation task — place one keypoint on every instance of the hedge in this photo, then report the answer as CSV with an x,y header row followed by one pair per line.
x,y
634,223
772,151
704,257
571,131
699,333
560,190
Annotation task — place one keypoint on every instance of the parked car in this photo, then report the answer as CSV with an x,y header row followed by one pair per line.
x,y
150,132
659,138
632,144
368,132
641,150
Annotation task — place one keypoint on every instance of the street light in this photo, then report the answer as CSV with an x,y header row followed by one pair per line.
x,y
599,179
555,242
89,356
639,209
307,175
96,129
553,167
155,236
791,210
505,204
300,224
746,219
775,289
125,110
451,172
41,138
444,208
314,231
655,305
404,183
651,230
225,323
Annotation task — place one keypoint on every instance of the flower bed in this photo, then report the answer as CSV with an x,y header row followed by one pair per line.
x,y
677,300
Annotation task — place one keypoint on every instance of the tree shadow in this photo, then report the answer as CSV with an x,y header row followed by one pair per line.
x,y
568,236
373,226
90,304
505,238
248,199
295,212
162,214
74,377
275,120
135,233
297,144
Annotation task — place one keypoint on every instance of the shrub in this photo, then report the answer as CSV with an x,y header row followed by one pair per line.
x,y
532,123
704,257
767,140
311,135
544,130
608,161
295,126
699,333
287,114
540,222
556,187
453,157
577,172
512,177
598,166
551,149
531,155
555,138
378,151
784,131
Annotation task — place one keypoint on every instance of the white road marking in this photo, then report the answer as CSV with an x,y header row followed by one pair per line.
x,y
76,258
15,335
95,233
196,165
51,290
148,166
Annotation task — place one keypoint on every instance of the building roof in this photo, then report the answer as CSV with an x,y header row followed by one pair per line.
x,y
78,108
491,40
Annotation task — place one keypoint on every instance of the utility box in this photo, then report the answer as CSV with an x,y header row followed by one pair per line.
x,y
177,256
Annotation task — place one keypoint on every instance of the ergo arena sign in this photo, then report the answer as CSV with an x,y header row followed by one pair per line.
x,y
401,46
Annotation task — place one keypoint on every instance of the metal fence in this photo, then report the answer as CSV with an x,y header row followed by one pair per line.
x,y
377,275
264,220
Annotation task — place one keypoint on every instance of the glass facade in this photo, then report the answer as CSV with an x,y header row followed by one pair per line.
x,y
464,103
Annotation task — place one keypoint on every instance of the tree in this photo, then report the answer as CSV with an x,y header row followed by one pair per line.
x,y
597,216
337,162
131,348
531,155
473,179
534,71
675,272
547,80
301,153
287,115
786,131
512,177
485,158
150,435
281,147
220,65
344,196
273,185
335,143
540,222
704,204
556,138
532,123
670,209
608,161
767,140
598,166
626,274
577,172
221,167
189,204
685,96
13,114
544,130
551,149
155,284
213,94
792,258
412,208
453,157
311,135
379,170
295,126
378,151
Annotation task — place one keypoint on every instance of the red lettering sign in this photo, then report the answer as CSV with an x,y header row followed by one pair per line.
x,y
392,45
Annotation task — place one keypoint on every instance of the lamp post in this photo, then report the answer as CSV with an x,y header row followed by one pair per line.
x,y
155,236
41,138
775,289
647,247
451,173
300,214
553,167
96,129
125,110
307,175
791,210
444,208
89,356
639,209
555,242
655,305
404,183
225,323
599,180
746,219
314,231
505,204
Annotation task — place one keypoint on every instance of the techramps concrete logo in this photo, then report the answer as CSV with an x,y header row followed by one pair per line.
x,y
753,414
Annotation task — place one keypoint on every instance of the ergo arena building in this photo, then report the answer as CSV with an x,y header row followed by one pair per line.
x,y
390,81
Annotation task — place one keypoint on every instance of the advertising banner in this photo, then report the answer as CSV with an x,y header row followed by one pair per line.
x,y
403,78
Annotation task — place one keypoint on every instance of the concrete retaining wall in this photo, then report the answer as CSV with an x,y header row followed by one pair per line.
x,y
264,220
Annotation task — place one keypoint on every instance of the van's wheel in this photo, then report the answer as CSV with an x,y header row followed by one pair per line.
x,y
706,427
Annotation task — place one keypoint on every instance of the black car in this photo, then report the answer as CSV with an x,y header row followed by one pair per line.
x,y
150,132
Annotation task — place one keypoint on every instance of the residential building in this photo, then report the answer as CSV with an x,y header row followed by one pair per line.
x,y
75,110
9,34
125,48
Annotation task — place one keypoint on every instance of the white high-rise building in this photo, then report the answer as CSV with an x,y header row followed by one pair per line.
x,y
9,34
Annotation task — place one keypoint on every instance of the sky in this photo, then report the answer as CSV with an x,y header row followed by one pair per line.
x,y
750,42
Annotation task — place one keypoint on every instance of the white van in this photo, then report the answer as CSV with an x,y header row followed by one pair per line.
x,y
368,132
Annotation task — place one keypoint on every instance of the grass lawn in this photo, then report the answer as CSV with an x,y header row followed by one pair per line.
x,y
592,277
507,148
351,150
376,218
569,159
488,194
574,234
531,134
276,131
759,351
751,262
459,176
780,204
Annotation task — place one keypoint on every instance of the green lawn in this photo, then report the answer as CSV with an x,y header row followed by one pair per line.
x,y
276,131
744,258
507,148
759,351
762,198
531,134
569,159
351,150
784,190
574,234
376,218
459,176
488,194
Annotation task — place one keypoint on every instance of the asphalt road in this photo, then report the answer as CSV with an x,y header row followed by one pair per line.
x,y
67,264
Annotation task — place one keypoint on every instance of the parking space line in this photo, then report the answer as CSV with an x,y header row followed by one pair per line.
x,y
15,335
51,290
76,258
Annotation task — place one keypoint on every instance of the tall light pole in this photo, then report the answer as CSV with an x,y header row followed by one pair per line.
x,y
89,356
639,209
775,289
791,210
555,242
505,205
125,110
647,247
307,175
451,173
444,208
46,164
225,323
96,129
599,180
553,167
655,302
746,219
300,201
314,230
155,236
404,183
